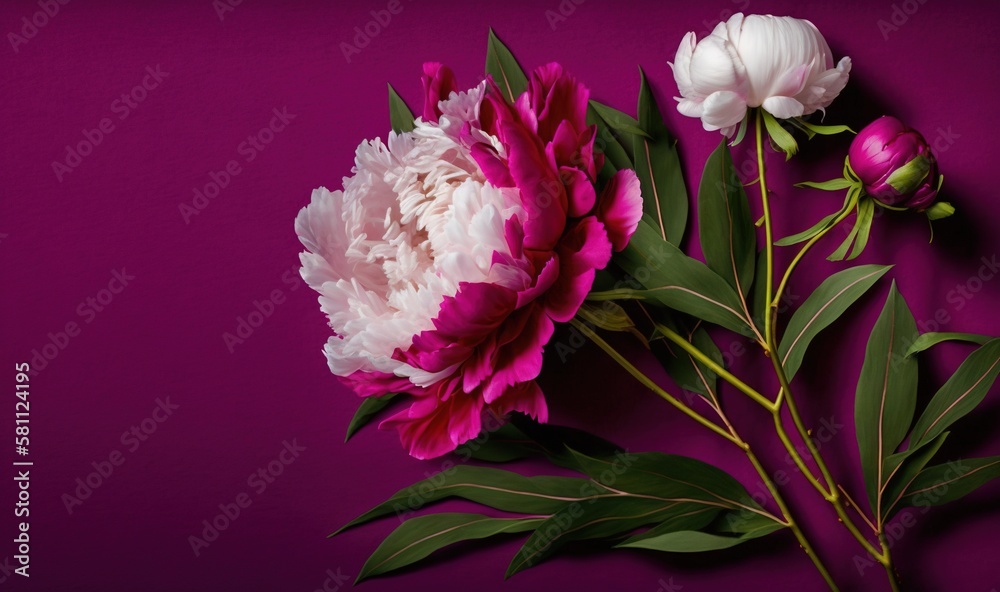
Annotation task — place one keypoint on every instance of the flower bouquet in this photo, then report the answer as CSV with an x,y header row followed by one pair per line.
x,y
503,210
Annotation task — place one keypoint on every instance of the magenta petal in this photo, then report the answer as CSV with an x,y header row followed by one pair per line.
x,y
520,360
475,311
494,169
376,384
544,281
580,190
583,250
526,398
439,82
620,207
542,192
434,426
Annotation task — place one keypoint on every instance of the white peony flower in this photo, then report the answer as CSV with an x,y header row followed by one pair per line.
x,y
782,64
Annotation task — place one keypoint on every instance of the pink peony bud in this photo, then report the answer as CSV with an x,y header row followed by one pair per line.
x,y
895,164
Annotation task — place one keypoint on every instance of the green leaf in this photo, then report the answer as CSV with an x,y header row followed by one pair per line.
x,y
504,69
417,538
658,166
945,483
824,306
496,488
689,374
499,445
608,316
670,478
691,541
824,130
939,210
809,233
831,185
605,518
886,393
695,519
928,340
560,443
961,394
728,238
677,281
758,293
866,213
902,468
618,120
782,139
400,115
369,407
618,154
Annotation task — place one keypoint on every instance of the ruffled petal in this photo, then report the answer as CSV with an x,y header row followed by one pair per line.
x,y
620,207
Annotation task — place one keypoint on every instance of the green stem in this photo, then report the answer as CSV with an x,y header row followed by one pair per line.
x,y
844,213
714,366
830,491
648,382
789,520
890,570
768,235
729,435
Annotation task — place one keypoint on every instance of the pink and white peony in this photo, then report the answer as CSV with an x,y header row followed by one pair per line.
x,y
781,64
453,249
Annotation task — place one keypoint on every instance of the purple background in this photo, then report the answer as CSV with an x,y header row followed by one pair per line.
x,y
161,336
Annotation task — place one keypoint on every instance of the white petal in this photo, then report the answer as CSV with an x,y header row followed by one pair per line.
x,y
715,66
783,107
682,64
723,109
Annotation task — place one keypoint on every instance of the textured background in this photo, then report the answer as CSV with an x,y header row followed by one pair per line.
x,y
63,236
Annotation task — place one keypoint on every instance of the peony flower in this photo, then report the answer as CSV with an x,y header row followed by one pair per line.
x,y
782,64
895,164
452,251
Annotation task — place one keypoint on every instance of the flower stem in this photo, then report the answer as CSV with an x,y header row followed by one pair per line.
x,y
789,520
729,434
648,382
714,366
829,491
890,569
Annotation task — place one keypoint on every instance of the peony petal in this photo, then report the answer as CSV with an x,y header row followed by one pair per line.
x,y
437,424
494,169
376,384
681,65
580,191
439,82
520,359
722,109
783,107
526,398
542,192
620,207
585,247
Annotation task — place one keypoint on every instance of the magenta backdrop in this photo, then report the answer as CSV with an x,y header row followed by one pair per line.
x,y
103,242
